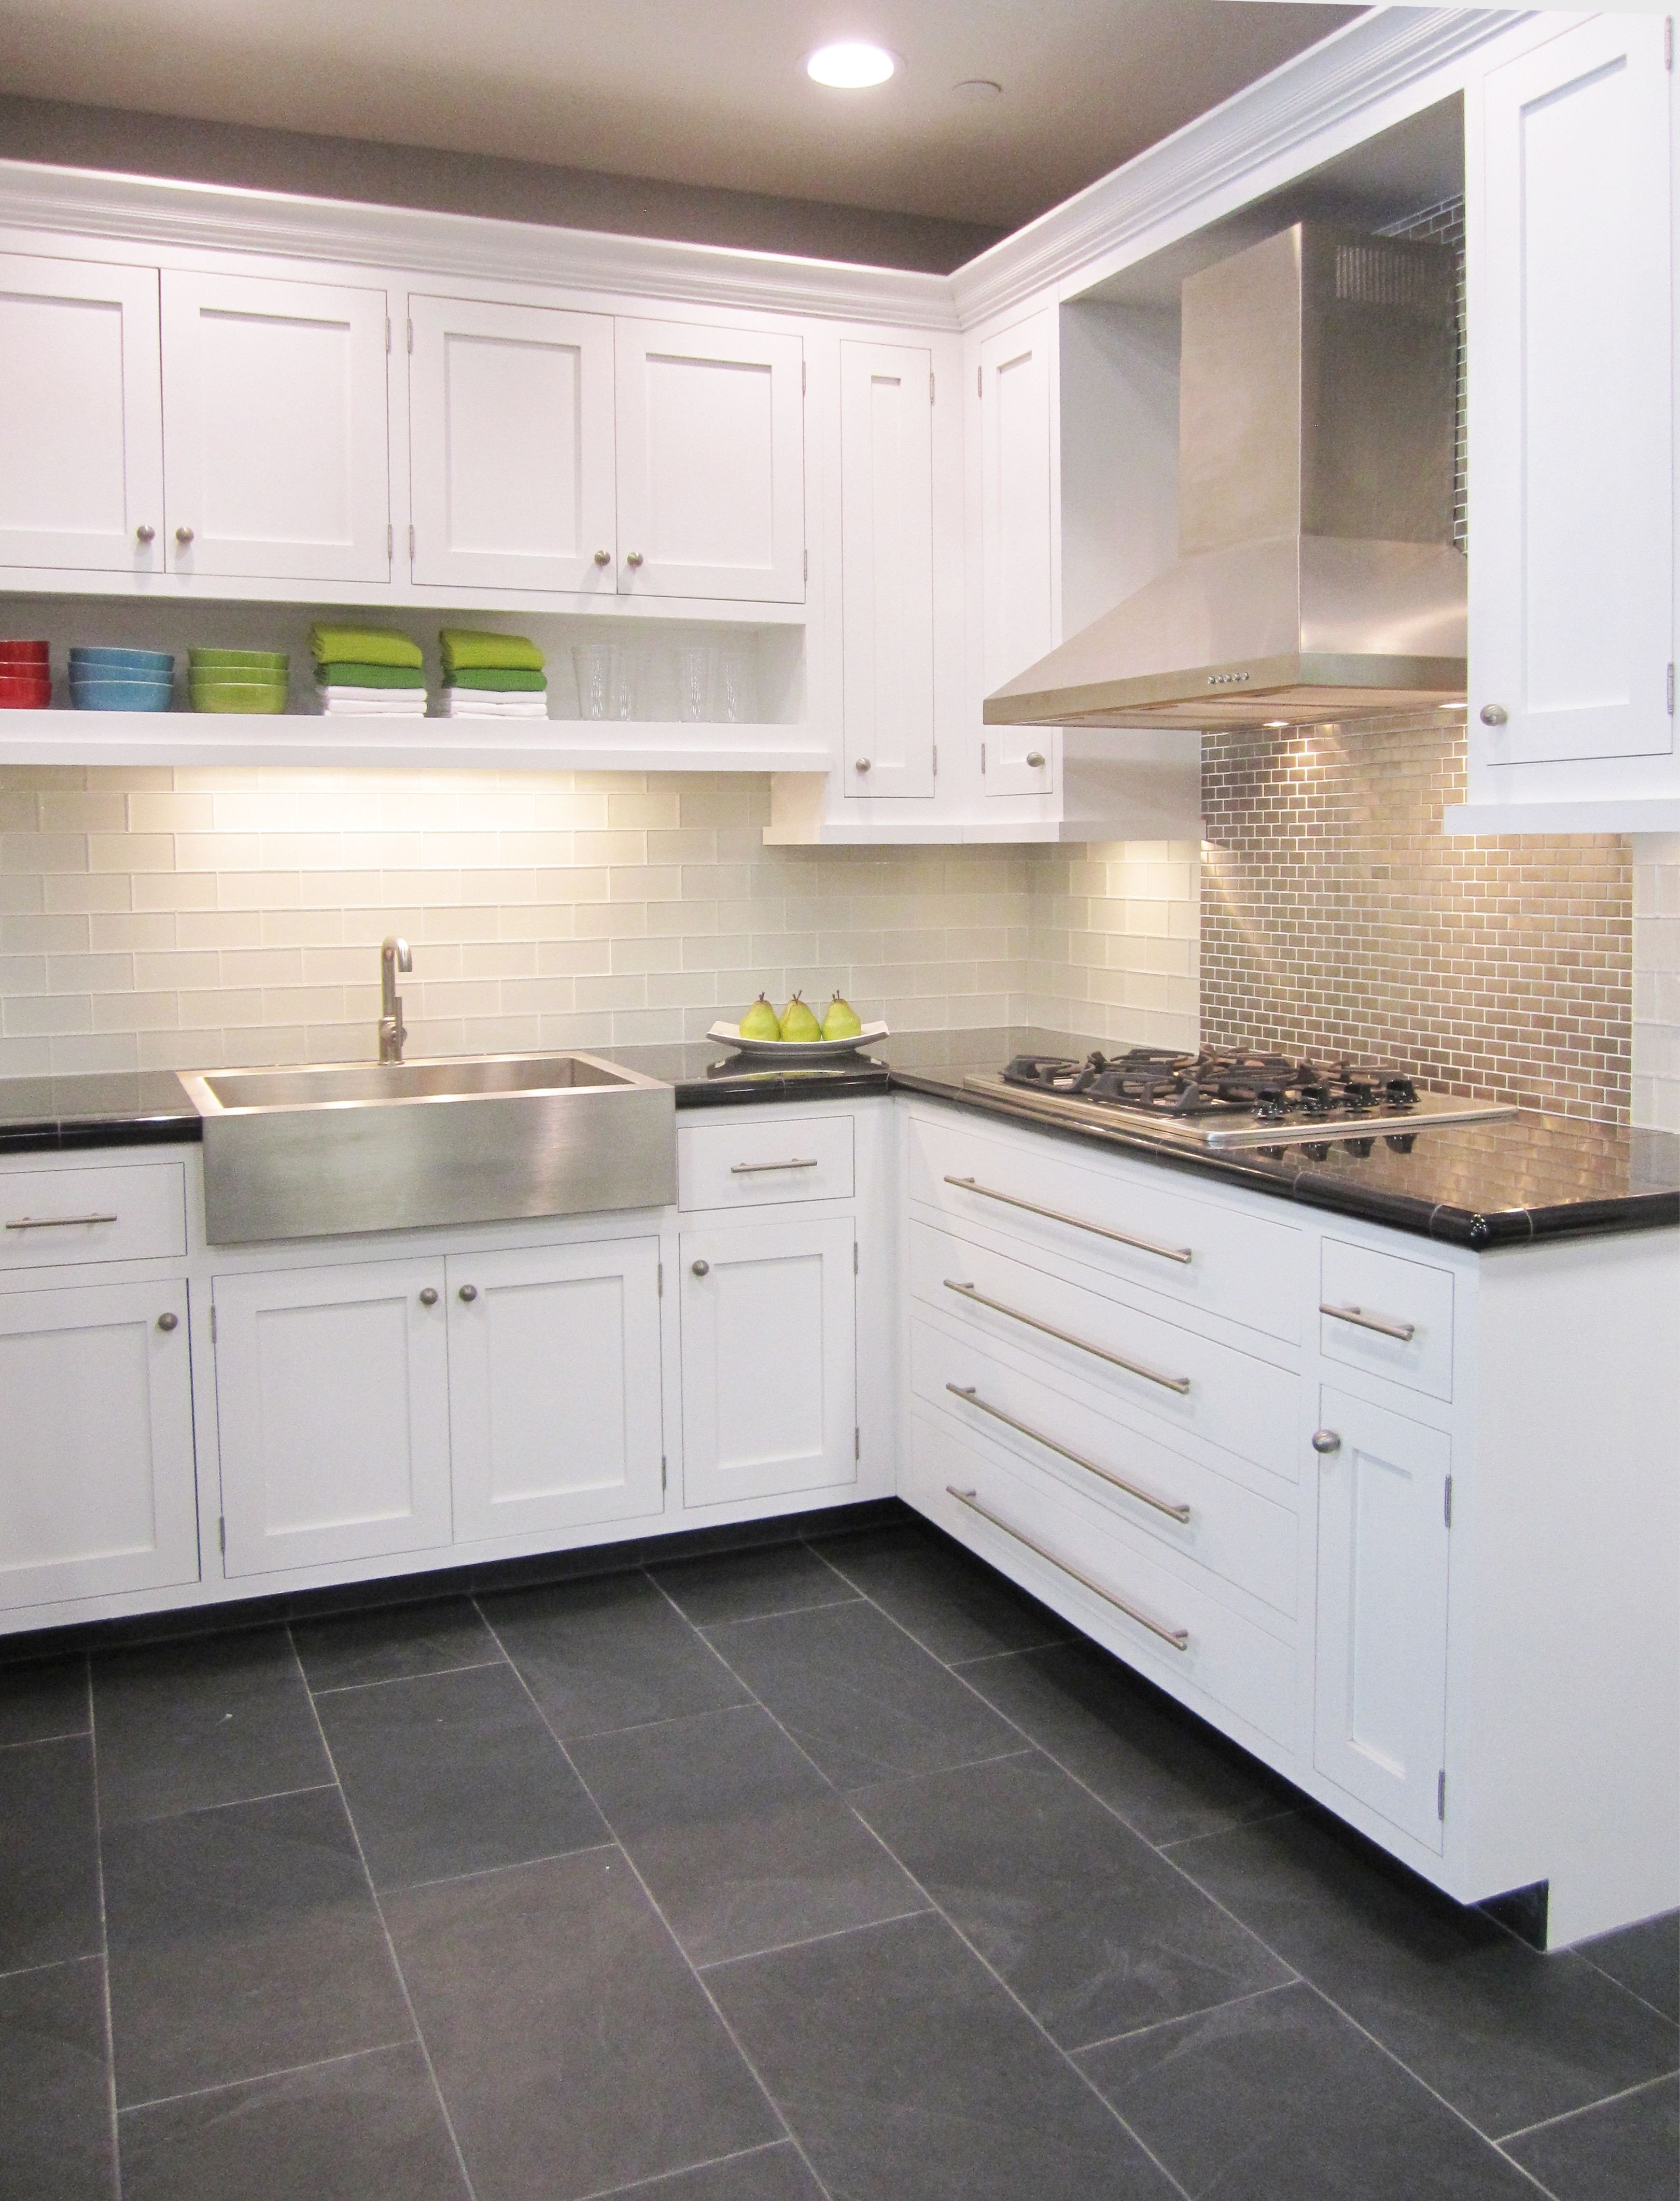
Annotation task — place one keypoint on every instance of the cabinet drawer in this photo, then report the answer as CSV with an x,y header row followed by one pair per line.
x,y
1387,1315
1115,1589
765,1165
1132,1222
1188,1383
1205,1517
133,1211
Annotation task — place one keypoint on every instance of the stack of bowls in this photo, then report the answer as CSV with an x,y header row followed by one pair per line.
x,y
238,679
121,679
26,676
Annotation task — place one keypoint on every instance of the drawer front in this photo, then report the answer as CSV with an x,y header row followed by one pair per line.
x,y
1387,1315
765,1165
132,1212
1117,1218
1116,1590
1188,1383
1205,1517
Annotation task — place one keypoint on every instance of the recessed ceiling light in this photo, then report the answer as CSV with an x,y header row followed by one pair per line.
x,y
976,89
851,65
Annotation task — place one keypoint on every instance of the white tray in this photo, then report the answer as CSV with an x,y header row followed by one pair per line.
x,y
794,1050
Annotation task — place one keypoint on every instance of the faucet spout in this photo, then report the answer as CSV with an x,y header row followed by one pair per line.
x,y
394,956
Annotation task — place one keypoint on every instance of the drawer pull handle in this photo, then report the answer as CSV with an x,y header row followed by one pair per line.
x,y
1182,1255
165,1323
1181,1384
1173,1512
1179,1638
757,1169
429,1295
468,1293
55,1222
1405,1331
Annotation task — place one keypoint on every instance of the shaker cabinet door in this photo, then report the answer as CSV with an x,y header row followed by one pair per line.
x,y
711,463
81,430
1571,496
275,429
886,520
1017,542
511,446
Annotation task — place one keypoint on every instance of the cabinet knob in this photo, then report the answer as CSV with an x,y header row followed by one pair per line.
x,y
429,1296
467,1293
169,1321
701,1268
183,535
633,558
1495,714
1035,759
862,765
144,534
1326,1441
604,557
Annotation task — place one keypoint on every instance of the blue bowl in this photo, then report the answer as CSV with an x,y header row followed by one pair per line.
x,y
89,694
124,663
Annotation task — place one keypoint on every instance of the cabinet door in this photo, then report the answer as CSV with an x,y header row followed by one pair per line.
x,y
554,1387
332,1403
510,412
769,1359
1016,544
97,1487
711,451
1381,1689
274,429
81,422
1571,515
886,518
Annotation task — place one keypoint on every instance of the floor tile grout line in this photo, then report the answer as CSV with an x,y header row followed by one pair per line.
x,y
1236,1826
807,1940
1604,2101
385,1929
686,2170
53,1964
513,1864
40,1741
104,1932
395,1680
262,2078
1581,1951
775,1613
771,2103
225,1804
1185,2017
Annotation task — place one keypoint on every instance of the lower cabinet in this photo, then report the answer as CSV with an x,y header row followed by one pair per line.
x,y
1380,1707
333,1406
554,1416
96,1488
769,1358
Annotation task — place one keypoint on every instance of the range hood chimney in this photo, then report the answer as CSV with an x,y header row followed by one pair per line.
x,y
1317,576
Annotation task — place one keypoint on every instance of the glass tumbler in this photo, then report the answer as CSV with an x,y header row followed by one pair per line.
x,y
693,681
736,688
606,688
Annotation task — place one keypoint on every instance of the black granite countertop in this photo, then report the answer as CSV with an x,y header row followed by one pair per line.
x,y
1532,1176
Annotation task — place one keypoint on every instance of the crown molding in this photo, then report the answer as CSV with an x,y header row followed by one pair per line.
x,y
1369,62
216,217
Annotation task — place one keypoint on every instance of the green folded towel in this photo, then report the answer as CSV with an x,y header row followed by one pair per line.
x,y
501,678
463,649
363,645
334,674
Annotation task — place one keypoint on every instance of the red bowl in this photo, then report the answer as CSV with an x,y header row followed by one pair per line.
x,y
25,653
25,695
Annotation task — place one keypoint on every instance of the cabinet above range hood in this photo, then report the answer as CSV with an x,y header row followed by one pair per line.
x,y
1318,577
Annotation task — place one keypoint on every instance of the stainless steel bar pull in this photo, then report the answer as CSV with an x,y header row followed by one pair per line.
x,y
1180,1254
1181,1384
758,1169
1179,1638
1175,1509
55,1222
1381,1324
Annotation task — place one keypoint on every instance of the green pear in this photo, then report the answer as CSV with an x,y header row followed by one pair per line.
x,y
840,1020
760,1022
798,1023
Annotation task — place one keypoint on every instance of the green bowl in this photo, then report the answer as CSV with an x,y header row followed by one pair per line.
x,y
242,662
251,695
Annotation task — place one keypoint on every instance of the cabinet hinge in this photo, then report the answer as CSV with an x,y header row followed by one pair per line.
x,y
807,567
982,759
803,372
854,1257
978,392
661,1280
1668,42
411,542
935,759
390,542
933,392
661,1471
411,335
1446,1503
387,335
857,1443
1670,690
213,1326
1440,1793
221,1535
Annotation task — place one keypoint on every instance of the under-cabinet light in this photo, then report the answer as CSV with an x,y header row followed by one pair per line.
x,y
851,65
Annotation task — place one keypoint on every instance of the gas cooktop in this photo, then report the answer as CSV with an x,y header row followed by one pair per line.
x,y
1236,1099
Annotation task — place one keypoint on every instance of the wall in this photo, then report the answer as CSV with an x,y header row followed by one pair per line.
x,y
1656,980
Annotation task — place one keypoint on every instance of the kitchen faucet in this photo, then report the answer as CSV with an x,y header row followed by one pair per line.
x,y
394,956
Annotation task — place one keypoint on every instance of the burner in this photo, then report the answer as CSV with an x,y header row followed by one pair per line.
x,y
1273,1088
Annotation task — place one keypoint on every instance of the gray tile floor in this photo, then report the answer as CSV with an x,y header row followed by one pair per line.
x,y
824,1868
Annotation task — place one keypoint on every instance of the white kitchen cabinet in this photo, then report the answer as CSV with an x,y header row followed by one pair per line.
x,y
274,429
1016,398
711,463
510,439
96,1479
81,444
332,1407
1572,571
1380,1712
769,1358
554,1387
886,495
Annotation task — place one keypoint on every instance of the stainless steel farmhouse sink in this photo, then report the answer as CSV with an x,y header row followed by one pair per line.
x,y
337,1147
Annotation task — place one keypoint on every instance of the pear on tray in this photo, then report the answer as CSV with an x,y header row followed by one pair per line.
x,y
761,1021
799,1022
840,1020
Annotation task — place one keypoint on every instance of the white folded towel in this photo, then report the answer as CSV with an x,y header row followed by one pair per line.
x,y
485,703
372,702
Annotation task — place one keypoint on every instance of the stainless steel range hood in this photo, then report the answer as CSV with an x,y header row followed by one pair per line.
x,y
1318,577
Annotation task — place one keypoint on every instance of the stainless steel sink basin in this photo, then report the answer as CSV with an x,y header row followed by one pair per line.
x,y
340,1146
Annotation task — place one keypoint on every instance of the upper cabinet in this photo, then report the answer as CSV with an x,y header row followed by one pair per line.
x,y
510,434
81,445
886,526
1016,393
275,429
711,463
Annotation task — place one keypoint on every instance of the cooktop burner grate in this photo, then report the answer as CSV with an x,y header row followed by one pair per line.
x,y
1216,1083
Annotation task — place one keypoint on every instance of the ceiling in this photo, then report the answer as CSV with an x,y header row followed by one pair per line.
x,y
698,92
